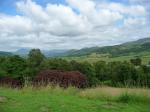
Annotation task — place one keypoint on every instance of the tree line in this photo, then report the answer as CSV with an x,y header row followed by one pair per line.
x,y
117,73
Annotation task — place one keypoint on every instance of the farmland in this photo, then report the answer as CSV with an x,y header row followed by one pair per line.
x,y
145,56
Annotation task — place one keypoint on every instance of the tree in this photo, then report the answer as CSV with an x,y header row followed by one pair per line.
x,y
144,76
101,70
57,64
13,66
136,61
87,69
35,59
122,73
3,73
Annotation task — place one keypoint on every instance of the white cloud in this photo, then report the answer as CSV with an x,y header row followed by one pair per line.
x,y
134,22
14,24
132,10
55,19
94,15
65,22
79,24
32,10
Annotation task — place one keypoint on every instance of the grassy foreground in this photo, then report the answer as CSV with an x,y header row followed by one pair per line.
x,y
100,99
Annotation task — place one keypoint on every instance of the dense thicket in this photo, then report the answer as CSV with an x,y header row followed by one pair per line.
x,y
113,73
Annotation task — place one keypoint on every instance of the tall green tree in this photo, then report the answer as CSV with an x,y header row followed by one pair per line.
x,y
144,76
122,73
87,69
35,59
101,70
13,66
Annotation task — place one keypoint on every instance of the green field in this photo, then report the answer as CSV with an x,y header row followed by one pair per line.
x,y
145,56
100,99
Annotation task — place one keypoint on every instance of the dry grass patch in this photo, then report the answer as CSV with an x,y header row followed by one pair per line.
x,y
3,99
111,93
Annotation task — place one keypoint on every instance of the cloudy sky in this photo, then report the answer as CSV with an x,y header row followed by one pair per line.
x,y
71,24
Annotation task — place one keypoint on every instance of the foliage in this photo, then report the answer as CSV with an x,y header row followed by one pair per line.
x,y
114,73
13,66
125,98
35,59
137,61
87,69
56,64
61,78
101,70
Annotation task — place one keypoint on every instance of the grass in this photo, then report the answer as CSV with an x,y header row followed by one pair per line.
x,y
56,99
118,94
145,56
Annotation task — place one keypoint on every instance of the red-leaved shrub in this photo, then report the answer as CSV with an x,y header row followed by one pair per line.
x,y
9,81
62,78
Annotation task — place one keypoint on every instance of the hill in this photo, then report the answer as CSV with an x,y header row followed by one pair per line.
x,y
134,47
3,53
125,49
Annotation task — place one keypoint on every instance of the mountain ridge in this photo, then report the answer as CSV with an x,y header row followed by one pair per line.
x,y
116,50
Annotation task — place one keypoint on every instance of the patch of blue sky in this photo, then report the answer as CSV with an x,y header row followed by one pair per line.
x,y
8,7
119,23
45,2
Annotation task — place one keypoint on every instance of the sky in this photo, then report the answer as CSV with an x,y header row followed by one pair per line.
x,y
71,24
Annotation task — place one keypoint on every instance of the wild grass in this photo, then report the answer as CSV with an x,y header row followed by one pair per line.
x,y
57,99
117,94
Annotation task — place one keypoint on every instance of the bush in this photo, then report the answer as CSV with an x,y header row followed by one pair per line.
x,y
62,78
124,98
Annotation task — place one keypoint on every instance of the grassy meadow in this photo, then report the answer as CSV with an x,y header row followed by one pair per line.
x,y
56,99
145,56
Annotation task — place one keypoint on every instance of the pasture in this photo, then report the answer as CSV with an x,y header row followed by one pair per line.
x,y
56,99
145,56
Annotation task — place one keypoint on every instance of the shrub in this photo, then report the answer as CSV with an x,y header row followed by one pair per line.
x,y
8,81
124,97
64,79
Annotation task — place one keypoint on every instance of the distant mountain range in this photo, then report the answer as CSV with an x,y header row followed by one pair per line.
x,y
134,47
47,53
22,51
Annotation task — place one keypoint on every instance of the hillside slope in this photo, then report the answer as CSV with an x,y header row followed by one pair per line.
x,y
3,53
134,47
